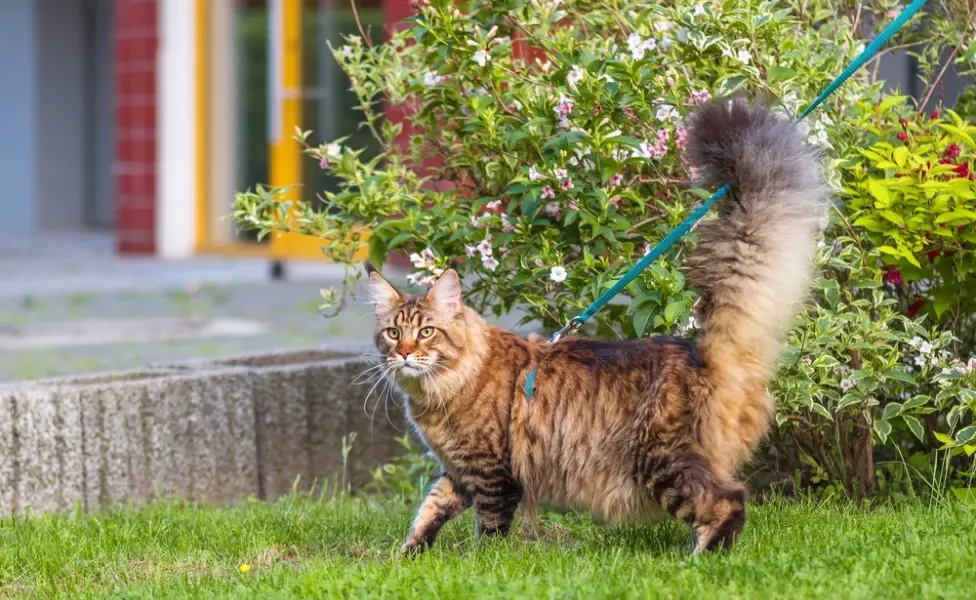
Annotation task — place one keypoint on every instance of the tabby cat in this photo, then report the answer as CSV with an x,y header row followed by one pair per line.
x,y
622,428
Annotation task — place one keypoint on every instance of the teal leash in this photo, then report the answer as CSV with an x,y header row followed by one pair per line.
x,y
579,320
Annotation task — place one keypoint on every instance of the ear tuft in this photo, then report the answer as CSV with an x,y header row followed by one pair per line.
x,y
446,293
384,296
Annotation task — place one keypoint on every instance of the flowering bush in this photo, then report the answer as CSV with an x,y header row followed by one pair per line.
x,y
914,197
543,148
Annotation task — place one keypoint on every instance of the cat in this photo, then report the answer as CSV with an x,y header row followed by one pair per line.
x,y
622,428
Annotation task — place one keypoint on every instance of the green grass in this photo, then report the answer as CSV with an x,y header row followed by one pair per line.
x,y
302,548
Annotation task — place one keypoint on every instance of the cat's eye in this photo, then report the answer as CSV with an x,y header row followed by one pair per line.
x,y
426,332
394,333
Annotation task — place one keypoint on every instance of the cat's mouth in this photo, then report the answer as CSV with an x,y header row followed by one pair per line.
x,y
409,370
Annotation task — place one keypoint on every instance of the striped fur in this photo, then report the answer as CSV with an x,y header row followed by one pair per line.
x,y
622,429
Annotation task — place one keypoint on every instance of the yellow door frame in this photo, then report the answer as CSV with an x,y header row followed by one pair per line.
x,y
285,153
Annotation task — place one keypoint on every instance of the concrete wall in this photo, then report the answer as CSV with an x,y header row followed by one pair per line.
x,y
212,431
17,115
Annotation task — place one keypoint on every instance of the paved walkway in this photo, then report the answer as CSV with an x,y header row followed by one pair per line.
x,y
69,306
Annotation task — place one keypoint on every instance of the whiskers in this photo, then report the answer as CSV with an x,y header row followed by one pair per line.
x,y
380,375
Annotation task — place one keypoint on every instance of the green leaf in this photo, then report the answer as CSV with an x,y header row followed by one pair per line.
x,y
674,308
377,251
916,426
891,410
890,102
643,318
900,376
965,434
880,193
779,73
882,428
822,410
901,156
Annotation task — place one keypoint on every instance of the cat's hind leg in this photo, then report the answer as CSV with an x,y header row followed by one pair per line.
x,y
681,482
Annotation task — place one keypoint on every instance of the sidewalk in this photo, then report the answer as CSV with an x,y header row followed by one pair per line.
x,y
70,306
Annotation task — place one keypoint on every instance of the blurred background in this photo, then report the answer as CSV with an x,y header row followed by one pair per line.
x,y
127,127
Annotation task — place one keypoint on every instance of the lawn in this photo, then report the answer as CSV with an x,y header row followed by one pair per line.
x,y
299,547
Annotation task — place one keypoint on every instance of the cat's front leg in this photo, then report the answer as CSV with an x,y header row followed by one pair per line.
x,y
496,497
444,501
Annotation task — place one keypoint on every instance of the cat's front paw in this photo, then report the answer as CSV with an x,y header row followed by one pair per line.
x,y
413,547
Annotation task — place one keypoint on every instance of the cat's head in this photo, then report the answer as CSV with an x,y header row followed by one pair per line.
x,y
419,336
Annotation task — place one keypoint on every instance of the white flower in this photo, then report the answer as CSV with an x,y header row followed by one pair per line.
x,y
484,248
347,51
558,274
743,56
574,76
494,205
920,360
431,79
333,150
645,150
470,250
489,263
699,10
682,35
666,112
414,278
481,57
846,384
636,46
534,175
552,209
925,348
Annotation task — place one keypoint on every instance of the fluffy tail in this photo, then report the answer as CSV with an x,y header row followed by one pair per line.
x,y
752,264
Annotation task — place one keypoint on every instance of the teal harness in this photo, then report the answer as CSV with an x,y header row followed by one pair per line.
x,y
576,322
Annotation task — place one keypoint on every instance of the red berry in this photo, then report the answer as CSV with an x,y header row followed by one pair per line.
x,y
915,307
962,170
953,150
902,136
945,161
934,115
903,121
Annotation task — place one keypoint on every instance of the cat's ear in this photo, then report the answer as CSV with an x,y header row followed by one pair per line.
x,y
382,293
446,294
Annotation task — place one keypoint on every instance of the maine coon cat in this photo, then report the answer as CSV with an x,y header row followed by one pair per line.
x,y
622,428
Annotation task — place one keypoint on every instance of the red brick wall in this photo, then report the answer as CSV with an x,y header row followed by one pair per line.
x,y
136,41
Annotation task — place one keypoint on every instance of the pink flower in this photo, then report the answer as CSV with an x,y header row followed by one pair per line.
x,y
470,250
507,227
548,192
553,209
572,205
324,163
846,385
616,180
495,206
693,173
953,150
699,96
681,136
617,202
564,107
484,248
566,185
489,263
560,173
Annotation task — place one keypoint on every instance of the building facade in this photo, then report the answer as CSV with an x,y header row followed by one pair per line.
x,y
142,118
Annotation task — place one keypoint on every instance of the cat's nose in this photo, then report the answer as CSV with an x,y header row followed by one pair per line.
x,y
404,354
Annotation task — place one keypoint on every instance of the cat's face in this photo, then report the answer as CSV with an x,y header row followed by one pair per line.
x,y
419,336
